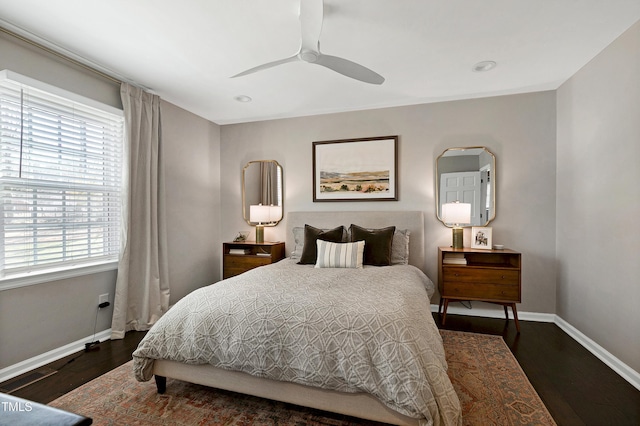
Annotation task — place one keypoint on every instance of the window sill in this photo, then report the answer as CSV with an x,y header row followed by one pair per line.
x,y
34,278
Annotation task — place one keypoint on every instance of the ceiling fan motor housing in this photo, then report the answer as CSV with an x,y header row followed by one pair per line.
x,y
308,56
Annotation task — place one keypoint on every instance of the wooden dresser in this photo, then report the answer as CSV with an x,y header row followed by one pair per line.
x,y
483,275
251,255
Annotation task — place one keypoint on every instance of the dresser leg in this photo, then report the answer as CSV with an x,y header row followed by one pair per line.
x,y
444,313
515,315
506,312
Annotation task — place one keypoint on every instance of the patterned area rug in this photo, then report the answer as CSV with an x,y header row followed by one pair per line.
x,y
491,386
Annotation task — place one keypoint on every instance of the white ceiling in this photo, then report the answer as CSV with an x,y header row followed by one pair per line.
x,y
186,51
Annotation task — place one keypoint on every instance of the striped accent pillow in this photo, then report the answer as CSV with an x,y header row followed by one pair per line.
x,y
339,255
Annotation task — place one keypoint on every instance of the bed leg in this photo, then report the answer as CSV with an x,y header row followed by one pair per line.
x,y
161,384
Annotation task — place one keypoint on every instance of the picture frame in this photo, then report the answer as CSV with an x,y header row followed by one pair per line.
x,y
481,237
364,169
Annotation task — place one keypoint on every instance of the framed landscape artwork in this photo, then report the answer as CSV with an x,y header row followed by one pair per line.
x,y
363,169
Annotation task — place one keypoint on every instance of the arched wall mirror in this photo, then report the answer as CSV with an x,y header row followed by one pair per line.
x,y
262,184
467,175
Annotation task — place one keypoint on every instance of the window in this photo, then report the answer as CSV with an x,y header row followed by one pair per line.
x,y
60,178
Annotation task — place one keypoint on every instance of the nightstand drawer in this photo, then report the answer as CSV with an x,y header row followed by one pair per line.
x,y
480,275
235,265
245,261
484,291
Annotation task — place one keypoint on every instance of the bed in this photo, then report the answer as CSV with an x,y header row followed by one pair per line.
x,y
360,342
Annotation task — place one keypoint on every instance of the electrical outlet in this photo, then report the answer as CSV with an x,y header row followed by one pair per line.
x,y
103,298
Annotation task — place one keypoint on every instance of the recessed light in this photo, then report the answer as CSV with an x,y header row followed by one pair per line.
x,y
243,98
484,66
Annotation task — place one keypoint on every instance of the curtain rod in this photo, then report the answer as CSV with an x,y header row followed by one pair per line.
x,y
60,55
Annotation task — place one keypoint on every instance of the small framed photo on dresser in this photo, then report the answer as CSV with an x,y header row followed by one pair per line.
x,y
481,237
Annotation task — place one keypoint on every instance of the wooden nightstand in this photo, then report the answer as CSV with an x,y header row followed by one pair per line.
x,y
488,276
256,254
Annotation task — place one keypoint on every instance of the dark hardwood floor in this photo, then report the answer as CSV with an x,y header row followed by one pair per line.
x,y
80,368
576,387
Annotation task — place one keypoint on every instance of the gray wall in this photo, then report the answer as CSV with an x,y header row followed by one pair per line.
x,y
520,130
598,199
193,200
30,61
44,317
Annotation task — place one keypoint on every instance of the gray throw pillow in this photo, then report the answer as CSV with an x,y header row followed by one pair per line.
x,y
298,241
400,247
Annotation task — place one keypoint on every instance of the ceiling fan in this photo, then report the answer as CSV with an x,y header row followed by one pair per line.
x,y
311,15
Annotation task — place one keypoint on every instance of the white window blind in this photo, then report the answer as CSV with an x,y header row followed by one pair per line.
x,y
60,178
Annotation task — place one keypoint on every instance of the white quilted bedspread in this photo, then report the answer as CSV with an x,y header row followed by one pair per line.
x,y
353,330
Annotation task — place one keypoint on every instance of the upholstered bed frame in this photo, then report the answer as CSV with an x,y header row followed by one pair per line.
x,y
360,404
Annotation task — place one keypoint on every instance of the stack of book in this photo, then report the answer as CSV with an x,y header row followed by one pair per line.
x,y
454,258
239,251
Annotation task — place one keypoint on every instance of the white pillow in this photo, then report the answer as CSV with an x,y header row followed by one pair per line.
x,y
340,255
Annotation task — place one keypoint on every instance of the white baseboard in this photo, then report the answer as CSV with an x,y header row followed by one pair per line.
x,y
496,313
43,359
626,372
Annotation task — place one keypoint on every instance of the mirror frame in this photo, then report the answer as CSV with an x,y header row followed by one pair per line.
x,y
245,213
492,184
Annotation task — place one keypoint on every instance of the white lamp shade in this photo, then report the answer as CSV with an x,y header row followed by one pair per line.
x,y
259,213
456,213
275,213
264,214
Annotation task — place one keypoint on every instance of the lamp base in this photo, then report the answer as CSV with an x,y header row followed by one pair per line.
x,y
458,235
259,233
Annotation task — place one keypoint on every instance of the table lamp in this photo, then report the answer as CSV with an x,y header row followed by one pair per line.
x,y
456,214
263,214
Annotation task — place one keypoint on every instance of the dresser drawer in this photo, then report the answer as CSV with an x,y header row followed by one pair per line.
x,y
482,291
480,275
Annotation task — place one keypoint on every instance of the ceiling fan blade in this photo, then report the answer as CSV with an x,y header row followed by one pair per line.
x,y
350,69
311,15
267,65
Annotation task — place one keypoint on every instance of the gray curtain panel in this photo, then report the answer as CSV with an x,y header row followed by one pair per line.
x,y
142,286
269,183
